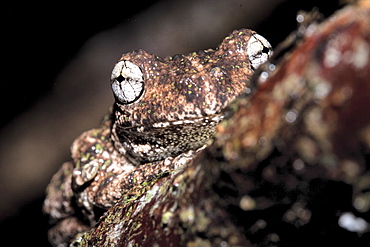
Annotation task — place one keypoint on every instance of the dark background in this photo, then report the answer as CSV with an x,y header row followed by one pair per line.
x,y
56,62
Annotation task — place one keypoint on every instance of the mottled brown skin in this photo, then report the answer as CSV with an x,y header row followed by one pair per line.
x,y
188,87
193,89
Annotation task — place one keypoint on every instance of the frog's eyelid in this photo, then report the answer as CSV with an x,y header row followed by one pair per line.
x,y
127,81
259,50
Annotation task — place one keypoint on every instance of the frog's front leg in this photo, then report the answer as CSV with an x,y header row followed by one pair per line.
x,y
59,204
150,171
98,171
92,180
101,179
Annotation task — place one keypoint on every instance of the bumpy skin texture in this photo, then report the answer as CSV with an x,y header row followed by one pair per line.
x,y
162,129
183,101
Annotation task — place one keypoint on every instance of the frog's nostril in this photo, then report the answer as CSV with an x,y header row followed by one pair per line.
x,y
259,50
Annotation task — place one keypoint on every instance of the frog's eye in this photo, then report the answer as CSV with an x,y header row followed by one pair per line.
x,y
259,50
127,82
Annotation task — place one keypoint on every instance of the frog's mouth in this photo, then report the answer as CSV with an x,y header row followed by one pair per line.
x,y
149,143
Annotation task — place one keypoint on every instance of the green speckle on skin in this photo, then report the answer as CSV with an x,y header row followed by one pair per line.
x,y
98,148
149,111
96,132
78,164
154,95
67,172
84,156
62,186
107,162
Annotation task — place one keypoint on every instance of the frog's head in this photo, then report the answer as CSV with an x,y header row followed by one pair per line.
x,y
165,107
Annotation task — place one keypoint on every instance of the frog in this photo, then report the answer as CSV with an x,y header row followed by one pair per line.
x,y
166,111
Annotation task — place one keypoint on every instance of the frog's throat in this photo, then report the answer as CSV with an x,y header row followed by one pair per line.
x,y
149,143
